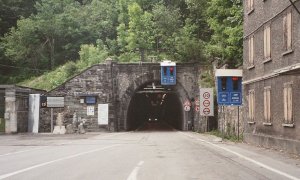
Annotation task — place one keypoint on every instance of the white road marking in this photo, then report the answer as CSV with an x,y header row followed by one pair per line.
x,y
111,135
17,152
108,136
54,161
246,158
133,174
64,143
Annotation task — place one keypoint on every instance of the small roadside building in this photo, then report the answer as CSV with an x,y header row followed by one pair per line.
x,y
271,74
14,107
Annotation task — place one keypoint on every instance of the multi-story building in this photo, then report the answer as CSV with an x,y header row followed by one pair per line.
x,y
271,73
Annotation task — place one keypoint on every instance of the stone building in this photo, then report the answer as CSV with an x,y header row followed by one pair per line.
x,y
271,74
131,92
14,107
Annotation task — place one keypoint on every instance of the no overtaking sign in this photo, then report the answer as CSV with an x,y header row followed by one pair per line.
x,y
206,102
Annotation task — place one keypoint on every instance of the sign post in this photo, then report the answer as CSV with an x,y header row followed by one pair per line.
x,y
187,105
229,90
51,120
206,102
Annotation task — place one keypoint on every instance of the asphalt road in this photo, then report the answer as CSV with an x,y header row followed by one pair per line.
x,y
140,155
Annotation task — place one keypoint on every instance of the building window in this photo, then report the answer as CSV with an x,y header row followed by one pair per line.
x,y
267,42
251,104
287,31
251,51
250,7
288,103
267,105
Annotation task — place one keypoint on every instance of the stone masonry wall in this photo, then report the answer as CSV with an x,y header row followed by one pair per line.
x,y
115,84
96,81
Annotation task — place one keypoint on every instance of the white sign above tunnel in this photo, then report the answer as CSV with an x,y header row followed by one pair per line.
x,y
206,102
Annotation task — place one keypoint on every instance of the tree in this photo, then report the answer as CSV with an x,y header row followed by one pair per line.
x,y
166,24
140,30
225,20
55,33
12,10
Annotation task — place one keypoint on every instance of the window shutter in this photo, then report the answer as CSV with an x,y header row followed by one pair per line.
x,y
290,104
269,105
249,105
249,51
252,50
285,104
289,30
285,33
265,43
265,105
252,105
269,42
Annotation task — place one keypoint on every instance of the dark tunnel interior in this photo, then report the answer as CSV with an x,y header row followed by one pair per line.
x,y
157,111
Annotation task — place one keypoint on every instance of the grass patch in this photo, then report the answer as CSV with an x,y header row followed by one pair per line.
x,y
230,137
89,55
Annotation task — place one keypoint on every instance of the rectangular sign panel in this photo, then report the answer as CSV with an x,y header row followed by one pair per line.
x,y
34,113
55,102
229,90
206,102
103,114
90,110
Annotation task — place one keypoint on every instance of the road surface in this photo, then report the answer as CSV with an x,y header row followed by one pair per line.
x,y
139,155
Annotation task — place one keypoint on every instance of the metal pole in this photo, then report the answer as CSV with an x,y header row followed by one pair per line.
x,y
223,124
51,120
207,124
238,123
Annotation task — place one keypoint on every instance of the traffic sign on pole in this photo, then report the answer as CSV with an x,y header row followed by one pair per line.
x,y
187,108
187,103
206,102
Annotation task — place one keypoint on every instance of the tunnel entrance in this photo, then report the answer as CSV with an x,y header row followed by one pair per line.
x,y
155,108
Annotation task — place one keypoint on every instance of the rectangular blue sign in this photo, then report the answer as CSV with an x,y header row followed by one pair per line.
x,y
235,97
229,90
168,75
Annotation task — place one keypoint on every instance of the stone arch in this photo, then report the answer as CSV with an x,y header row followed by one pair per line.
x,y
146,78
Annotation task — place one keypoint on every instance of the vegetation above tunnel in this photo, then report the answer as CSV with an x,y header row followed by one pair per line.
x,y
68,36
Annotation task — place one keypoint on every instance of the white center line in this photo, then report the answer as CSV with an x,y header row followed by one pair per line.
x,y
54,161
246,158
133,174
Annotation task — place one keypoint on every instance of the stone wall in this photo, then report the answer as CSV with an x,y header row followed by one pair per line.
x,y
95,81
115,84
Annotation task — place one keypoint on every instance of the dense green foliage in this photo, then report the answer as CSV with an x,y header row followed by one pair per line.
x,y
89,55
70,35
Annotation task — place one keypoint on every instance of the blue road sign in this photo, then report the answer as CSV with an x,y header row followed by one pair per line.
x,y
168,73
229,90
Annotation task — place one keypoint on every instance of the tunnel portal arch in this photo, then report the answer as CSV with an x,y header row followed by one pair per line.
x,y
136,108
118,85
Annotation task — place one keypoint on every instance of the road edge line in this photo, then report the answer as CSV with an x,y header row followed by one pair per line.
x,y
245,157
